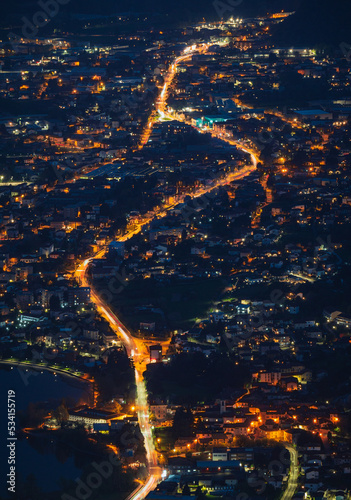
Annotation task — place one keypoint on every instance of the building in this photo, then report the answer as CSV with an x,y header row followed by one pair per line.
x,y
160,412
117,248
155,353
90,416
78,296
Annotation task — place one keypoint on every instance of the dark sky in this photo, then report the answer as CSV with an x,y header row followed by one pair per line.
x,y
315,22
318,22
181,9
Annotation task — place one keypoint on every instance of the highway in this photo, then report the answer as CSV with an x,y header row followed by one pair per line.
x,y
161,102
140,360
293,474
136,348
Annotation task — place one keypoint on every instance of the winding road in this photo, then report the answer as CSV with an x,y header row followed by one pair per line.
x,y
134,347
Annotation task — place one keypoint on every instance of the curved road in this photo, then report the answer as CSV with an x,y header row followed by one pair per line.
x,y
293,474
134,346
141,398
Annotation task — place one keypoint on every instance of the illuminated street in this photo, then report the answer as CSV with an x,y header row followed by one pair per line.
x,y
175,259
293,474
134,346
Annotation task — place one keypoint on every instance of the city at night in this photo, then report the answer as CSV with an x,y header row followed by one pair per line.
x,y
175,250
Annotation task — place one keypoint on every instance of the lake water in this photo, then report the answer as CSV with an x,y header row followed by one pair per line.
x,y
32,386
32,457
